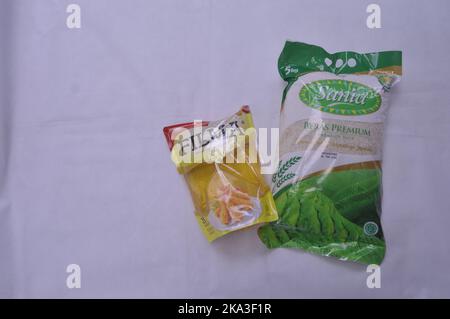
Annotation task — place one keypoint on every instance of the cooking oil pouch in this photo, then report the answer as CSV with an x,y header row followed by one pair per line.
x,y
221,166
327,188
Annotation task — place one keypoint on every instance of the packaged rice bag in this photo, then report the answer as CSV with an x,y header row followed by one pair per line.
x,y
220,164
327,187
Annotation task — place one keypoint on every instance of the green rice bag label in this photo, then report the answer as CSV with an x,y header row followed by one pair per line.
x,y
340,97
328,186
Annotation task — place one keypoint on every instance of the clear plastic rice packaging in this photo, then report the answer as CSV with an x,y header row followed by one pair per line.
x,y
327,188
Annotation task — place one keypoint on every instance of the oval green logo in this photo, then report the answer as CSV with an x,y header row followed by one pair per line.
x,y
340,97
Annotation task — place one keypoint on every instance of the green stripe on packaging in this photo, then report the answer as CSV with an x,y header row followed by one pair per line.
x,y
298,58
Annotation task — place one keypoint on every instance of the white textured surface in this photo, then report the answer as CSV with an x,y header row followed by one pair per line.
x,y
86,176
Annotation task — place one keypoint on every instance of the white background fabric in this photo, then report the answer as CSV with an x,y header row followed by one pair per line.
x,y
86,176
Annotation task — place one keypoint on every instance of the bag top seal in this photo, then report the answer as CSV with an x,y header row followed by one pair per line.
x,y
299,58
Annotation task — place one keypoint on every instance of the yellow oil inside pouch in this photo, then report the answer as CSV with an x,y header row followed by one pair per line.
x,y
222,169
